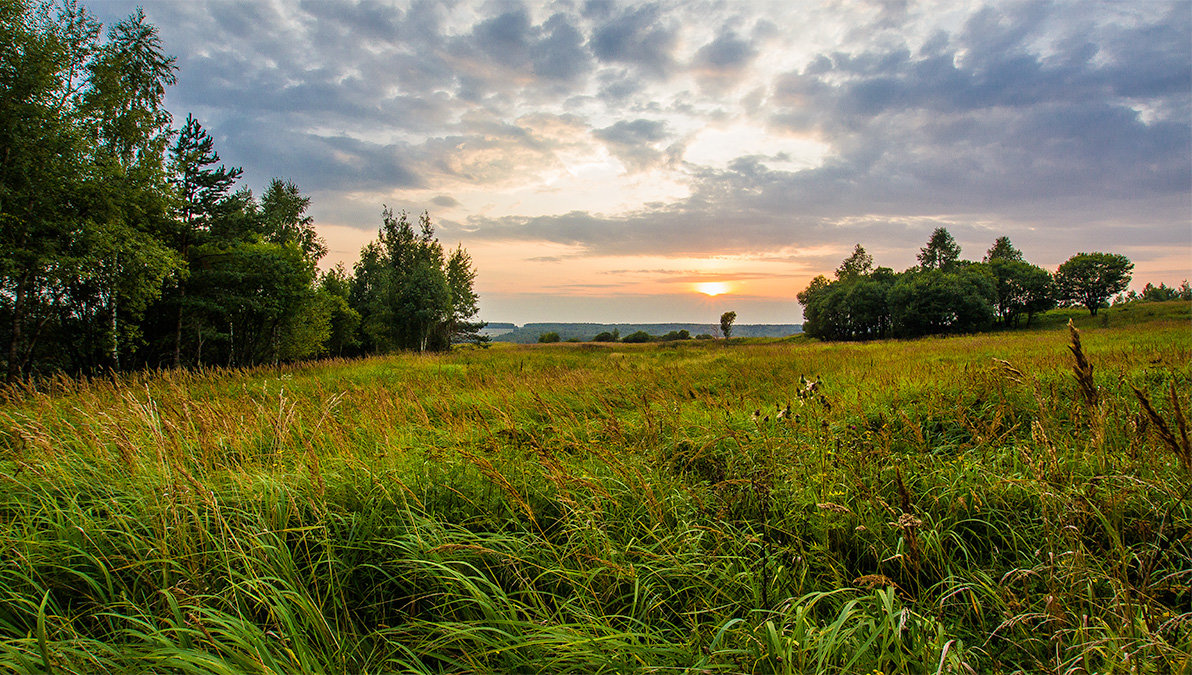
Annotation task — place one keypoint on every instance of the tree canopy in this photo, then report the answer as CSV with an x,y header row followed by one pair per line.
x,y
857,264
122,249
941,251
1090,279
945,294
726,323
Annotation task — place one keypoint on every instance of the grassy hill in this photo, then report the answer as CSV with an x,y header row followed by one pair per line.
x,y
943,505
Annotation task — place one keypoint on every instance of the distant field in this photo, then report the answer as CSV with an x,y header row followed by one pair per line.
x,y
945,505
583,332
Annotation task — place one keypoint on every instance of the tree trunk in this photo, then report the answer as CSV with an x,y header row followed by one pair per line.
x,y
178,326
181,295
17,308
115,325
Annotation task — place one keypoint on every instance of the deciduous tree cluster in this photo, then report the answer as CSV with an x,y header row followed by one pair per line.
x,y
125,242
945,294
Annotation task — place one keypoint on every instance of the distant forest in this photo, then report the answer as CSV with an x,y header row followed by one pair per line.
x,y
125,243
531,332
945,294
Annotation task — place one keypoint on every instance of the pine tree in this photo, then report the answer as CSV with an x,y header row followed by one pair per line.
x,y
200,187
941,251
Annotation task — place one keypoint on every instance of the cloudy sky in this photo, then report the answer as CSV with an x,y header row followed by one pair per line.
x,y
601,160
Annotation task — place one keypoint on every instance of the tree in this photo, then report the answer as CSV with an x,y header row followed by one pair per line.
x,y
932,302
1002,249
461,276
82,132
817,308
129,129
408,295
941,251
1022,288
858,264
548,337
335,287
284,219
868,299
726,323
201,189
254,302
1090,279
1160,293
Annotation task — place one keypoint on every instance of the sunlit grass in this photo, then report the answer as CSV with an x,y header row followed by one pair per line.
x,y
604,508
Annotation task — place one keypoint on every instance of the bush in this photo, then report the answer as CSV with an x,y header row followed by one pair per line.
x,y
676,335
548,337
639,336
606,336
704,336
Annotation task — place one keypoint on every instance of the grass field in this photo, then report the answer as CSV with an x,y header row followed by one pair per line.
x,y
969,504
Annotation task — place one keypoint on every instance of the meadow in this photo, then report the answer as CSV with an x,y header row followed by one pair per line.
x,y
1008,502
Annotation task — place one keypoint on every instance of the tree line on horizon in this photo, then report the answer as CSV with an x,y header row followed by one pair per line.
x,y
125,243
945,294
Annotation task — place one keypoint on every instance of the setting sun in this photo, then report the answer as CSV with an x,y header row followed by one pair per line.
x,y
712,287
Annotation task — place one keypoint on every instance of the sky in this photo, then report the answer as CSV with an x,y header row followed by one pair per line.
x,y
606,162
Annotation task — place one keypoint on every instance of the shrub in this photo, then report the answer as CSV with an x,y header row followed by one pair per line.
x,y
550,336
639,336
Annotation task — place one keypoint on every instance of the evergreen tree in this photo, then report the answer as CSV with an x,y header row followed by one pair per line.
x,y
283,212
201,186
941,251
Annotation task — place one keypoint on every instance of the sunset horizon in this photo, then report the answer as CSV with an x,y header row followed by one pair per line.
x,y
600,160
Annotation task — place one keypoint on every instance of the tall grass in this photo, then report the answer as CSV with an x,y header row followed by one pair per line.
x,y
945,505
